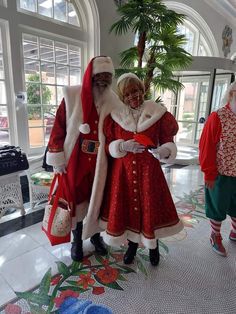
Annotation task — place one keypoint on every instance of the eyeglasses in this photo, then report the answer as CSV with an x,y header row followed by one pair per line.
x,y
131,95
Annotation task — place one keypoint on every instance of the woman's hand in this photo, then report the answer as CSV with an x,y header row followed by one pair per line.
x,y
131,146
60,169
160,152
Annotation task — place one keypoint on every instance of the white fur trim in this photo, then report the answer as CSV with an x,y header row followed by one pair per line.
x,y
139,237
56,159
128,75
173,152
84,128
151,113
114,149
103,64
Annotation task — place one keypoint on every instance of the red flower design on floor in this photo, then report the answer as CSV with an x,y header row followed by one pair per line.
x,y
85,280
108,275
55,280
98,290
13,309
65,294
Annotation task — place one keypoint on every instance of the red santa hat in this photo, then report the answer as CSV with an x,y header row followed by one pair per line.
x,y
96,65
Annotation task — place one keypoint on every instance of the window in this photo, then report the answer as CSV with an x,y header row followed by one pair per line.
x,y
59,10
48,66
41,51
4,116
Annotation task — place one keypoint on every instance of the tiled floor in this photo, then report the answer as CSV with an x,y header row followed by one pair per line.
x,y
29,249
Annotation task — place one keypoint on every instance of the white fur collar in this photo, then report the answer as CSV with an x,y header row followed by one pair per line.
x,y
151,113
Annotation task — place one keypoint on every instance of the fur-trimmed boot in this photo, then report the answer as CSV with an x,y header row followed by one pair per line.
x,y
98,243
130,253
154,255
77,244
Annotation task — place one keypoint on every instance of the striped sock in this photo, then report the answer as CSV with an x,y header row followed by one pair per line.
x,y
233,223
215,226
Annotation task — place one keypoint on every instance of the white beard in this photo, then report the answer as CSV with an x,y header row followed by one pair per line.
x,y
99,96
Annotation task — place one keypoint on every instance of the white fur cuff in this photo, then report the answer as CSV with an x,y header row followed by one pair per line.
x,y
56,159
173,152
114,149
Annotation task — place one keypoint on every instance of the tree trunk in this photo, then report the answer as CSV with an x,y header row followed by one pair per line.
x,y
141,48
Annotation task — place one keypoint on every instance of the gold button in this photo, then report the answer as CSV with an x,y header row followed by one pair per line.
x,y
96,122
134,172
136,208
135,190
135,199
94,132
134,162
90,159
134,181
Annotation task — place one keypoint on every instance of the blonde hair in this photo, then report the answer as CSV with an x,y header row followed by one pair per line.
x,y
122,85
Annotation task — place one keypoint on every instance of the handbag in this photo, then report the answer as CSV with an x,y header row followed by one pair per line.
x,y
12,159
57,218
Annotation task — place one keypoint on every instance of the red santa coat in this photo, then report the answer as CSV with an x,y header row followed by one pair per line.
x,y
137,202
86,172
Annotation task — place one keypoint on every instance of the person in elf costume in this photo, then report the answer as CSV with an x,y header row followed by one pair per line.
x,y
76,146
137,204
217,157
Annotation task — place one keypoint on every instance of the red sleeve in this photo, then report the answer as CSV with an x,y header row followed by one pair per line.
x,y
208,146
58,132
108,128
169,128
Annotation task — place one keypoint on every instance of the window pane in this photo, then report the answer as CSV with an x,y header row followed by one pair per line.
x,y
3,99
60,10
45,7
0,41
4,124
1,68
62,75
75,76
48,94
74,56
30,46
35,114
31,71
59,94
36,135
33,93
61,53
4,137
29,5
73,19
48,73
46,49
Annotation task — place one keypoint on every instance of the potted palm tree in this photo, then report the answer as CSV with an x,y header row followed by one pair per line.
x,y
158,47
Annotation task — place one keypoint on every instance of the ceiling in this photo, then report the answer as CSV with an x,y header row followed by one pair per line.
x,y
226,8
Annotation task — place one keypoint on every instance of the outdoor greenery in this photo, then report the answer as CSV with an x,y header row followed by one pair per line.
x,y
157,51
34,96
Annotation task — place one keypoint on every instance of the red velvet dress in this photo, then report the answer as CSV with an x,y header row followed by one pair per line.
x,y
137,199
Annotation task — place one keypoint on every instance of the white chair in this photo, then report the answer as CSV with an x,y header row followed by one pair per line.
x,y
39,182
10,193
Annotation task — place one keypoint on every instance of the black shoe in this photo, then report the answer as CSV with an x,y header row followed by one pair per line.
x,y
130,253
154,256
77,252
77,244
99,245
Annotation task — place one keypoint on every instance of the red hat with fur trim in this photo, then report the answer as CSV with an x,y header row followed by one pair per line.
x,y
96,65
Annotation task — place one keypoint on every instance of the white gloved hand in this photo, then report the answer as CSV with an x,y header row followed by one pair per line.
x,y
131,146
160,152
60,169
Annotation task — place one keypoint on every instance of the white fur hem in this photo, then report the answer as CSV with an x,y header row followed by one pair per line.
x,y
114,149
138,237
56,159
173,152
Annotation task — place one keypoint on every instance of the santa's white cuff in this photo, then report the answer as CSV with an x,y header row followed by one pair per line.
x,y
114,149
173,152
56,159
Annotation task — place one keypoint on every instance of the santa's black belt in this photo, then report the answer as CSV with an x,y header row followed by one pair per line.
x,y
89,146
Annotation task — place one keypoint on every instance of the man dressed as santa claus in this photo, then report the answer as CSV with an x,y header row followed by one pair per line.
x,y
76,147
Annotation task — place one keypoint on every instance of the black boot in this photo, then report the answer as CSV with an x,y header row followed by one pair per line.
x,y
130,253
98,243
77,244
154,255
